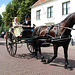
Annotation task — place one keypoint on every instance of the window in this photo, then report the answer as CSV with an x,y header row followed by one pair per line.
x,y
66,8
50,12
38,15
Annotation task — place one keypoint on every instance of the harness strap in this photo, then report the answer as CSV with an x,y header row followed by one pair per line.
x,y
58,29
62,39
50,27
38,31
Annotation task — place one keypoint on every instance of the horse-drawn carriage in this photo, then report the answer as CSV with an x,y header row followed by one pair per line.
x,y
58,35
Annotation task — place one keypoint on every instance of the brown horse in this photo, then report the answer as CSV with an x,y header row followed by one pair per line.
x,y
55,32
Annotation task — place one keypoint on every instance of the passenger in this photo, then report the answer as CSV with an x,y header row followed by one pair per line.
x,y
17,27
16,23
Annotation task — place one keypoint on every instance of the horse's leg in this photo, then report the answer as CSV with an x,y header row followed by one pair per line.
x,y
67,66
55,54
37,48
42,57
34,44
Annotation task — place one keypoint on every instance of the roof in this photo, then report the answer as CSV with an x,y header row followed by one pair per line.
x,y
38,2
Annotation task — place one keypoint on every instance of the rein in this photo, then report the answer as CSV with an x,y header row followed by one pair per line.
x,y
64,27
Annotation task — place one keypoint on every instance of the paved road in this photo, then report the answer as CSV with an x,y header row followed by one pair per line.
x,y
25,64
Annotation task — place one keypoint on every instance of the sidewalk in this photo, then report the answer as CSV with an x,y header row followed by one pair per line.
x,y
2,40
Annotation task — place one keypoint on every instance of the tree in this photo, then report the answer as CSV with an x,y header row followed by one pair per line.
x,y
0,20
25,8
17,8
7,15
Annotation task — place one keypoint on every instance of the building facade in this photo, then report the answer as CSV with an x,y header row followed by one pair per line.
x,y
47,12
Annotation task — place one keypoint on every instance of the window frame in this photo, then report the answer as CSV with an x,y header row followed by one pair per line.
x,y
50,12
38,14
65,11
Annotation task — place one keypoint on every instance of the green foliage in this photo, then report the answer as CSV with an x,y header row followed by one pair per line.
x,y
0,20
1,28
17,8
4,28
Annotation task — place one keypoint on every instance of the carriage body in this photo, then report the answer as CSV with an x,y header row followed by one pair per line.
x,y
13,38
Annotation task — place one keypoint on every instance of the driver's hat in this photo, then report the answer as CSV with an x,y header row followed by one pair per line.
x,y
26,16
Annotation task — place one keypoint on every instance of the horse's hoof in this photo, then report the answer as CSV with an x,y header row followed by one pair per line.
x,y
48,61
43,59
36,56
68,67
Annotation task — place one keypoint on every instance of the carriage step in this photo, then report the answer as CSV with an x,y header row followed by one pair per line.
x,y
44,39
45,44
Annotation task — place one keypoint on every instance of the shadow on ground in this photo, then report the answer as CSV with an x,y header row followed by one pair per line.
x,y
2,43
57,62
29,55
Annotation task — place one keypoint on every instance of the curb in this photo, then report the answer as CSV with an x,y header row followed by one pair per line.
x,y
2,41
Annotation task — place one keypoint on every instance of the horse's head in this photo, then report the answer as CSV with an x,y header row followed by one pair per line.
x,y
69,21
73,18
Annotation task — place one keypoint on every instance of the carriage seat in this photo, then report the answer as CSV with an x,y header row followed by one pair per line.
x,y
27,32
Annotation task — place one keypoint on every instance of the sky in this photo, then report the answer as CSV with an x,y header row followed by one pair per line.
x,y
3,4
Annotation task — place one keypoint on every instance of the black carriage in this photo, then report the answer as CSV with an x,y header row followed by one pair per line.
x,y
12,40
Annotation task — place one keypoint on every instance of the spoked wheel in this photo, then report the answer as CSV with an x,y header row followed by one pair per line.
x,y
11,44
30,47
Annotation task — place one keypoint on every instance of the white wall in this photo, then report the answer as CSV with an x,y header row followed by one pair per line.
x,y
57,13
43,13
72,3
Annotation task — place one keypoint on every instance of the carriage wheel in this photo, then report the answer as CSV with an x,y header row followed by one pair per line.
x,y
30,48
11,44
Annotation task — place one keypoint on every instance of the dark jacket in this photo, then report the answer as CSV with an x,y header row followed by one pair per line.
x,y
29,23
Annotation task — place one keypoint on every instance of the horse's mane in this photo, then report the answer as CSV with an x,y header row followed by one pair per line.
x,y
68,17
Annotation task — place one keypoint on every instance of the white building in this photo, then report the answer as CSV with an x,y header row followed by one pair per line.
x,y
47,12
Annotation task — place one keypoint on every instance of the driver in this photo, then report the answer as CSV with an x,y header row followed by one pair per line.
x,y
26,22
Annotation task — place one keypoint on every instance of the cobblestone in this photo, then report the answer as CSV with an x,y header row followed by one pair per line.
x,y
25,64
